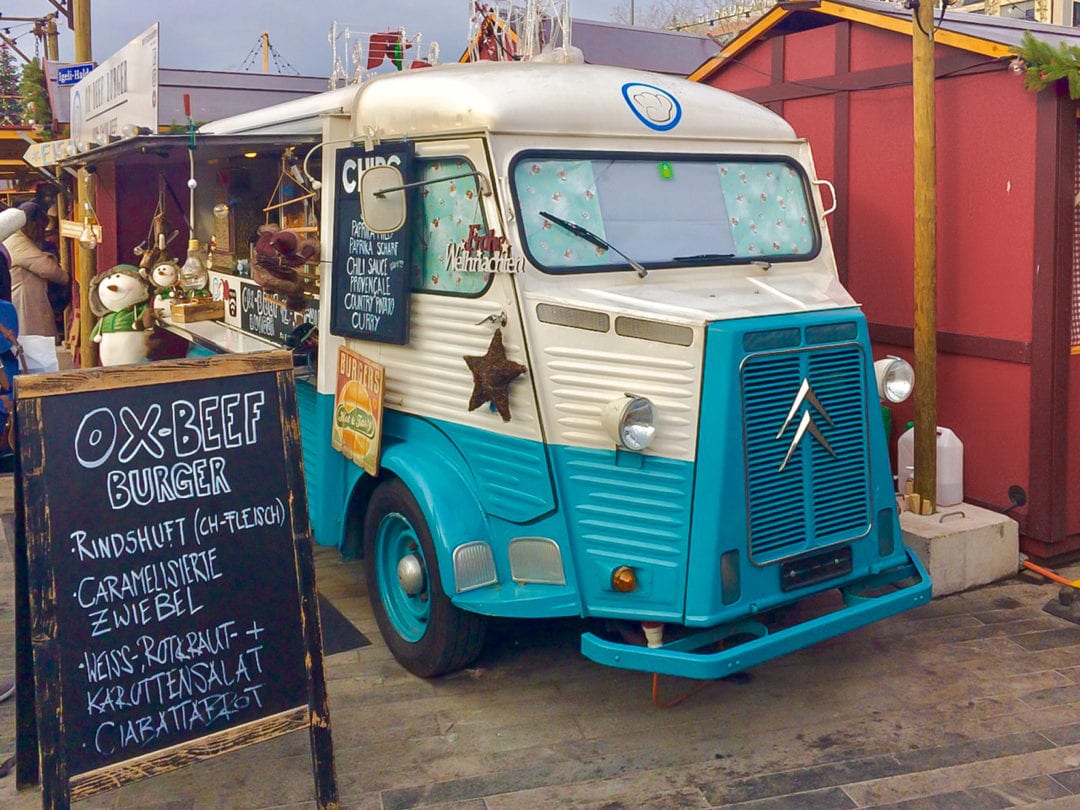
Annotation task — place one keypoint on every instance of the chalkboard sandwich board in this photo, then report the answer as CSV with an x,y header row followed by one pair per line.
x,y
167,587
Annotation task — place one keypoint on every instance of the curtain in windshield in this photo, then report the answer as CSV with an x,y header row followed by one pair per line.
x,y
446,207
662,211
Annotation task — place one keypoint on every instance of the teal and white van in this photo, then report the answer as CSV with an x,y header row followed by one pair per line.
x,y
622,378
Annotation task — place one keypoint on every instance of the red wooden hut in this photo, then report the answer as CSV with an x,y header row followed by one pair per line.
x,y
1008,231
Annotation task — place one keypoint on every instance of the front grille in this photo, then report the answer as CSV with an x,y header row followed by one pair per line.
x,y
801,496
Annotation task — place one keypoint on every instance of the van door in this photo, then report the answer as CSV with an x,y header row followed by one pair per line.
x,y
456,313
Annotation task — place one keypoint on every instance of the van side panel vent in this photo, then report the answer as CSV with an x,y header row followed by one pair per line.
x,y
654,330
572,317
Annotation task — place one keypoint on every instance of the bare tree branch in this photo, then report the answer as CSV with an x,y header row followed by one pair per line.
x,y
663,13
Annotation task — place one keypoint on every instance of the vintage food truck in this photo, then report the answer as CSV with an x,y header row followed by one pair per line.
x,y
584,352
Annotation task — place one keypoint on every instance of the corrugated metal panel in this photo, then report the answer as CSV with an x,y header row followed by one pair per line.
x,y
634,515
511,475
640,511
429,377
315,445
820,495
581,373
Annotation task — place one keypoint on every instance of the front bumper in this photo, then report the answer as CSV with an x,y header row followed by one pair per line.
x,y
682,657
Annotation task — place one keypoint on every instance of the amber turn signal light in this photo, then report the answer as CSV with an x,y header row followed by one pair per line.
x,y
623,579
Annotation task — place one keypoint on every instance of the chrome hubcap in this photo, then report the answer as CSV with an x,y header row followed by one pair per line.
x,y
410,574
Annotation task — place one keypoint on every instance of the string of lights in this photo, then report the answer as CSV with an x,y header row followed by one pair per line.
x,y
250,58
12,29
280,62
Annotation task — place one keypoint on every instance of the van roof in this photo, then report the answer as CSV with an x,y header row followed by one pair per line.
x,y
555,99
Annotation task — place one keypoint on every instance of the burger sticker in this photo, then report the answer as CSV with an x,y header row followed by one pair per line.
x,y
357,423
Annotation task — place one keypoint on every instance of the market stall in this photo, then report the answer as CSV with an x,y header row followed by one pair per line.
x,y
155,197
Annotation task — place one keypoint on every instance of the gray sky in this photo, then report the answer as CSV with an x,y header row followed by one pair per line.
x,y
220,34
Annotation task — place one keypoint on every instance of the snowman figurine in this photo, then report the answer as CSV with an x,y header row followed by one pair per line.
x,y
118,297
165,280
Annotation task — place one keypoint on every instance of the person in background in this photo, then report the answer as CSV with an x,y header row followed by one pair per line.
x,y
5,274
11,221
46,195
32,268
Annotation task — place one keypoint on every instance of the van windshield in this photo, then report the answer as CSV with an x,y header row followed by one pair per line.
x,y
592,213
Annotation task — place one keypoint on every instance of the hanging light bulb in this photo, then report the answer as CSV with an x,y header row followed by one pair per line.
x,y
193,275
87,237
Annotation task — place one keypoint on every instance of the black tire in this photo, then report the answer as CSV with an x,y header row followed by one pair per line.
x,y
426,633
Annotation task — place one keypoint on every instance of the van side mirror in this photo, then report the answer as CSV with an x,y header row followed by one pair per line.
x,y
382,199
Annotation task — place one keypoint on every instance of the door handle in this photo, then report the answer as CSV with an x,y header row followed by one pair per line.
x,y
494,319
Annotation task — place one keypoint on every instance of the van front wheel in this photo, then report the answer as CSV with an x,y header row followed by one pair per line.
x,y
426,633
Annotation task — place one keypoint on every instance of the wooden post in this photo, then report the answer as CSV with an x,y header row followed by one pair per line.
x,y
85,260
52,41
922,35
80,10
86,269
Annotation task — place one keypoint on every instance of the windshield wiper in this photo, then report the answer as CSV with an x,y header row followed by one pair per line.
x,y
592,238
702,258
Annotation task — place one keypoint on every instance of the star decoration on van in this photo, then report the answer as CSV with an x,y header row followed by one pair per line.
x,y
492,374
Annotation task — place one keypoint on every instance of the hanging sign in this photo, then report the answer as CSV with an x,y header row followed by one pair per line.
x,y
483,253
47,153
369,277
70,229
121,91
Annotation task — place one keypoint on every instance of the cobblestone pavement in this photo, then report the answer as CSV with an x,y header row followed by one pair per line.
x,y
970,702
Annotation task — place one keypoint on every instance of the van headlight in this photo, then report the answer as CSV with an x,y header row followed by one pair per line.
x,y
629,421
895,378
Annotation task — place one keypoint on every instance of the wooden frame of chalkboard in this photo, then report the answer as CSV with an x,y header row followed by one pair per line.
x,y
369,277
165,577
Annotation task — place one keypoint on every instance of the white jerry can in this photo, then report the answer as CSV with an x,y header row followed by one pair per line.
x,y
950,465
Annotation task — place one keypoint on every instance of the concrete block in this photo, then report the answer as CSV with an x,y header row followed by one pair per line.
x,y
963,546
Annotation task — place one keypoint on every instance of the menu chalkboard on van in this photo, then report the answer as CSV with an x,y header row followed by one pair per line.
x,y
171,582
370,271
264,313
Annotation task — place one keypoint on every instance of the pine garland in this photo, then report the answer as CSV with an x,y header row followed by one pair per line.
x,y
1046,64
